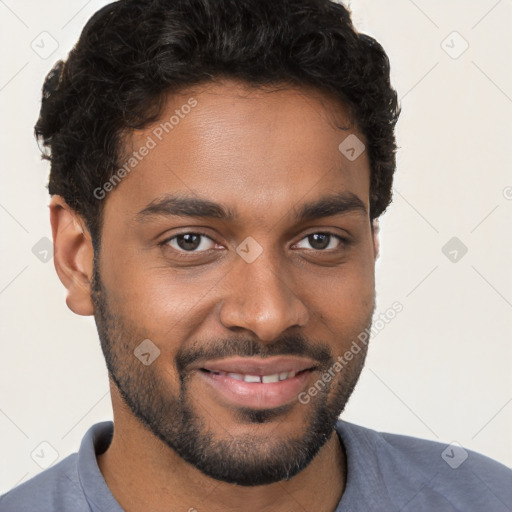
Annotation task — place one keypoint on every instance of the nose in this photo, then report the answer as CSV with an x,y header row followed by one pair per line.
x,y
260,298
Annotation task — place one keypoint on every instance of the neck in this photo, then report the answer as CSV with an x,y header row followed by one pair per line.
x,y
145,474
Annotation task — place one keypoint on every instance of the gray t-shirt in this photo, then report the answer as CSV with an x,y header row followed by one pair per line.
x,y
385,473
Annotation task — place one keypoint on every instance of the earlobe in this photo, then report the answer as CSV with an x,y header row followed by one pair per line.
x,y
375,236
73,255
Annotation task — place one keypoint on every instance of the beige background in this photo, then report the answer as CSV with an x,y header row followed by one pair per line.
x,y
440,370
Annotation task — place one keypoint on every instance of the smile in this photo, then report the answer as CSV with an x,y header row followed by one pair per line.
x,y
264,379
257,391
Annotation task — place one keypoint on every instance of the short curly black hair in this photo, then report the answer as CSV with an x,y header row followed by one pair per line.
x,y
132,53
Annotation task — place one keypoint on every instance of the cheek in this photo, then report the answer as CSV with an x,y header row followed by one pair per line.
x,y
144,287
344,298
345,303
157,302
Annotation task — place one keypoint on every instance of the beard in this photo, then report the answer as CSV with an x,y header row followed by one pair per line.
x,y
243,459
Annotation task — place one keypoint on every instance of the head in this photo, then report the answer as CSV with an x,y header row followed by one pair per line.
x,y
217,171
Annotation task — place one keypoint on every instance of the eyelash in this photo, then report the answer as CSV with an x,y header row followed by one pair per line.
x,y
344,242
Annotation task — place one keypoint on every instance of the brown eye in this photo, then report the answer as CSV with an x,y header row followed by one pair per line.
x,y
191,242
320,241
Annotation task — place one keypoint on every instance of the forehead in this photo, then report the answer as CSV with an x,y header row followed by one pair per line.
x,y
259,151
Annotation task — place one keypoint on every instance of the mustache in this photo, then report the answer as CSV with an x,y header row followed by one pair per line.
x,y
289,345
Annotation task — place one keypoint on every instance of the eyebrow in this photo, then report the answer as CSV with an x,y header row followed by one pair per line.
x,y
329,206
185,206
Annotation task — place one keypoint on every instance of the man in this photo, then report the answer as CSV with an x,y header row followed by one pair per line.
x,y
217,171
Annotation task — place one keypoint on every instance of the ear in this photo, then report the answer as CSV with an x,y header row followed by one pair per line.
x,y
375,235
73,255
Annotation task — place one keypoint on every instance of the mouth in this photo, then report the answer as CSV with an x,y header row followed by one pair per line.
x,y
264,379
258,384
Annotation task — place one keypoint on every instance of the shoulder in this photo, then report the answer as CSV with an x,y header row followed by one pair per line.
x,y
73,484
418,474
54,489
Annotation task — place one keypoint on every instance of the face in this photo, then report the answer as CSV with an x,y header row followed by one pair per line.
x,y
236,266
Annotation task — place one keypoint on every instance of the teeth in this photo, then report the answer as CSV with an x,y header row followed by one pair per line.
x,y
252,378
265,379
237,376
270,378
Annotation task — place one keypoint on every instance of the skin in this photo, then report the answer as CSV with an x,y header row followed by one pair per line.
x,y
263,154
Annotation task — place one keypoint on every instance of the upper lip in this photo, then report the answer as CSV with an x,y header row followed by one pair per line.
x,y
258,366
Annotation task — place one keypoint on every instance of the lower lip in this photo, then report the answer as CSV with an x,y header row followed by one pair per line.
x,y
257,395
